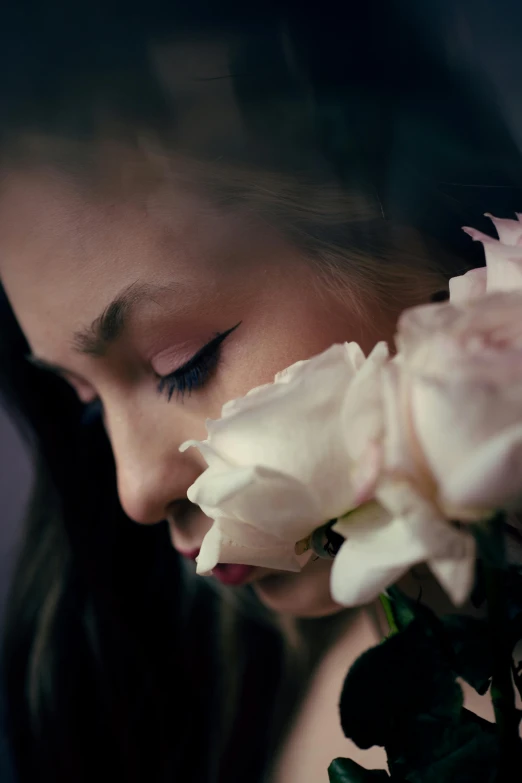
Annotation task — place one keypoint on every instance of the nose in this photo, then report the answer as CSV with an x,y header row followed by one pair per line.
x,y
152,474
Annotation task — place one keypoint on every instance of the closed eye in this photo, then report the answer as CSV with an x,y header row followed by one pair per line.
x,y
189,377
195,373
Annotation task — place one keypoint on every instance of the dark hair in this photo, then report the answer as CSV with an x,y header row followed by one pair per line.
x,y
113,654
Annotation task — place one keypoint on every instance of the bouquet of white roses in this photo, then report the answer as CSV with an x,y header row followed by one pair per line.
x,y
384,462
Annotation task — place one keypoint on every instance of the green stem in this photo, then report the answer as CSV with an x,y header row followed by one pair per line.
x,y
502,690
388,611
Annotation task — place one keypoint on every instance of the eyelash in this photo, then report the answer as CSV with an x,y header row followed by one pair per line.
x,y
189,377
194,373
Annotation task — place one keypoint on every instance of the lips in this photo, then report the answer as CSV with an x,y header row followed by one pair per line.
x,y
232,574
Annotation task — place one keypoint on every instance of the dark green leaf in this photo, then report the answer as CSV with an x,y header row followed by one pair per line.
x,y
467,753
406,610
490,541
347,771
514,591
403,611
515,636
478,594
392,684
428,740
467,716
466,640
470,642
516,630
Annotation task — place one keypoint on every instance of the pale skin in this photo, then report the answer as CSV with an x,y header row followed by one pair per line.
x,y
65,257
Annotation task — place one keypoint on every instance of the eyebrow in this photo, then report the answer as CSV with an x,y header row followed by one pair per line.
x,y
108,326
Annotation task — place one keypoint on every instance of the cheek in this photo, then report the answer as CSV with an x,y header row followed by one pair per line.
x,y
282,328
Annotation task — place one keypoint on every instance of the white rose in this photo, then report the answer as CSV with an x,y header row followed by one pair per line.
x,y
458,387
403,523
280,459
451,446
503,271
385,538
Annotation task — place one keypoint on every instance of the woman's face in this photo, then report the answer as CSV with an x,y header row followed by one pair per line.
x,y
118,293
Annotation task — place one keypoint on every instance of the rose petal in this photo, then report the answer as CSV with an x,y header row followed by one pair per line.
x,y
504,274
278,504
444,543
219,547
214,459
398,455
367,517
363,415
210,551
489,478
350,353
509,231
353,584
468,286
374,556
256,430
341,358
456,574
367,472
456,425
504,262
422,334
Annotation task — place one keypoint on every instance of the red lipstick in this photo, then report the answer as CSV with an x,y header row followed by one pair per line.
x,y
232,574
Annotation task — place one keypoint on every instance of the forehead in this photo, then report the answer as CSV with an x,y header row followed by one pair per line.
x,y
65,255
47,221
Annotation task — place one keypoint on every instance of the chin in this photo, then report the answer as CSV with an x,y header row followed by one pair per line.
x,y
306,594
